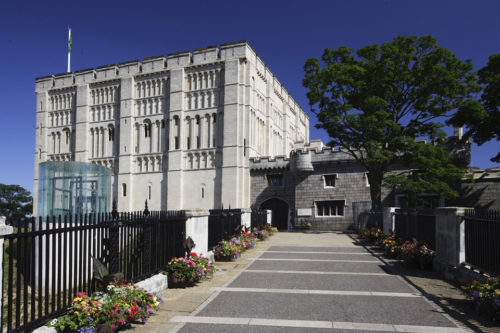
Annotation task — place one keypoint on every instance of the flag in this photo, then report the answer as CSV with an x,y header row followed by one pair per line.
x,y
69,41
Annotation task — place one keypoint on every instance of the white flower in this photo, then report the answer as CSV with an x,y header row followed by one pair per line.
x,y
53,322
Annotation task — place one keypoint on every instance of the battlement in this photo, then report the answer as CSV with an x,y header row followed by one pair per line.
x,y
267,162
198,57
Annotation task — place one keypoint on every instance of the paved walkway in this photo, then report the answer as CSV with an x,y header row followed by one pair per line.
x,y
297,282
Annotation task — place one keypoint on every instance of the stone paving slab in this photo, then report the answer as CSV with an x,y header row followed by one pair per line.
x,y
391,283
361,309
213,328
342,256
324,249
318,266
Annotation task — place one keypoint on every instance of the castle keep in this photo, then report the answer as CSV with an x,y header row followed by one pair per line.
x,y
176,130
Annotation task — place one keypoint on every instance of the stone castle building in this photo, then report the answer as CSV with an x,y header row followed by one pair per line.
x,y
176,130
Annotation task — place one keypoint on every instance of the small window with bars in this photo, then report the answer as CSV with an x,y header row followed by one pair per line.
x,y
329,180
275,180
330,208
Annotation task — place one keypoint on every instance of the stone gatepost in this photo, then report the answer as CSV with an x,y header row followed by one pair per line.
x,y
389,219
197,229
246,218
450,239
4,230
269,216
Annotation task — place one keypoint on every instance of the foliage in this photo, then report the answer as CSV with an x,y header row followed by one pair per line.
x,y
483,117
227,250
376,103
203,265
247,240
15,202
117,307
486,295
410,251
182,271
186,271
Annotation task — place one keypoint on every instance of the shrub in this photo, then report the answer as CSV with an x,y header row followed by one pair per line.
x,y
227,250
182,272
486,296
117,307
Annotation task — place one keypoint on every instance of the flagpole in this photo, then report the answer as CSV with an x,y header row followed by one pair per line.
x,y
69,49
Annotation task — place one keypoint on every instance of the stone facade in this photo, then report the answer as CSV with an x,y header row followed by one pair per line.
x,y
320,185
176,130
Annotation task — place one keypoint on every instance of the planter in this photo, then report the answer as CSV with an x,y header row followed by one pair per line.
x,y
104,328
301,228
180,283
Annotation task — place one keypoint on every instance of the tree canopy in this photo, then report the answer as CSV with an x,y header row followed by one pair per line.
x,y
15,202
378,102
482,117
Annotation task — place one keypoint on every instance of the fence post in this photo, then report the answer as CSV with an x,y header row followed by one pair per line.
x,y
269,219
450,239
389,219
246,218
197,229
4,230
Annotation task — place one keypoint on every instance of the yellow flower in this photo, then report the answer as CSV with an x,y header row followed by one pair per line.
x,y
84,303
496,293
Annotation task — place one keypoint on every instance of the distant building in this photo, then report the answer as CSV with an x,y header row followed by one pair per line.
x,y
177,131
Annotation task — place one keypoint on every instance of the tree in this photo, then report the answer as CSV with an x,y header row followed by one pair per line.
x,y
15,202
377,103
482,118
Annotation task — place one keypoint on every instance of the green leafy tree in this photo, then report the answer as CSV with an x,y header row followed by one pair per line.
x,y
375,105
482,118
15,202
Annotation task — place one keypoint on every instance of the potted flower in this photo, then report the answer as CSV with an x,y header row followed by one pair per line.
x,y
181,272
227,250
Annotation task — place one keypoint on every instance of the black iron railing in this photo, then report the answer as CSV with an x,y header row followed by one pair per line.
x,y
482,239
222,223
418,224
258,218
46,261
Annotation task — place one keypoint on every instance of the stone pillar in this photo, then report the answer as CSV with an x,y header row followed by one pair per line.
x,y
197,229
450,239
4,230
269,216
389,219
246,218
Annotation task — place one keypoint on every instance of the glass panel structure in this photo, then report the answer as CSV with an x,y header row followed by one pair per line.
x,y
69,188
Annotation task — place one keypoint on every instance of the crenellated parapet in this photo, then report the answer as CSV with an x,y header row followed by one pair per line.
x,y
185,59
267,162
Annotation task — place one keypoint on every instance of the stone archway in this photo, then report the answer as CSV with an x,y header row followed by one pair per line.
x,y
280,212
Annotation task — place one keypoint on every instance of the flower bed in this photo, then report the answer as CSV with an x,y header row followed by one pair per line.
x,y
410,251
116,308
227,250
186,271
486,296
232,248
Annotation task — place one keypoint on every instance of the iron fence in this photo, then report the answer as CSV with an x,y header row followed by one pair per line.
x,y
222,223
258,218
46,261
482,239
420,224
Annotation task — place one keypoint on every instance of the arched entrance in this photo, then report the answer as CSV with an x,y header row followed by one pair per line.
x,y
280,212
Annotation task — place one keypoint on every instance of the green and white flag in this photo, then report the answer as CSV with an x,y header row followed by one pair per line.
x,y
70,41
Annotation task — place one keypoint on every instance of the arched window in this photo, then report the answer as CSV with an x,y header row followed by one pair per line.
x,y
147,130
149,192
111,133
202,192
124,190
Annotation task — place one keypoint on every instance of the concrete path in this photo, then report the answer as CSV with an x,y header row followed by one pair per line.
x,y
298,282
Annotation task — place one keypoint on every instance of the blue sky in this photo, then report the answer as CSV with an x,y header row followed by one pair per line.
x,y
33,43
